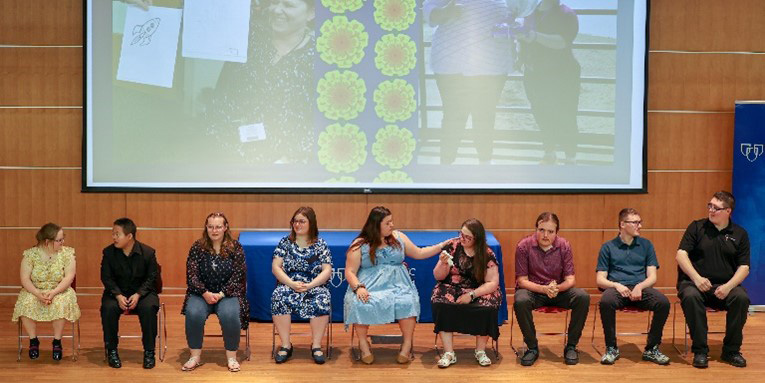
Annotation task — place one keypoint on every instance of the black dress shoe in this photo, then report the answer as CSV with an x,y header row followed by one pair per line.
x,y
58,350
529,357
34,348
700,360
570,355
113,358
281,358
734,359
148,359
318,355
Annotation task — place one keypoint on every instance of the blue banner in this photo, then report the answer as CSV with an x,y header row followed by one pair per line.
x,y
749,189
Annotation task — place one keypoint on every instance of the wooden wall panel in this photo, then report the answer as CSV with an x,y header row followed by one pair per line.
x,y
707,25
34,197
41,76
690,141
424,211
706,82
41,22
673,199
40,137
172,248
245,210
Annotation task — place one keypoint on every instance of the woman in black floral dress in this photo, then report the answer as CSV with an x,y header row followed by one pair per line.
x,y
274,87
216,275
466,298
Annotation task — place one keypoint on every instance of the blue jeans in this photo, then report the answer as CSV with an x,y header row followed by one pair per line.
x,y
227,310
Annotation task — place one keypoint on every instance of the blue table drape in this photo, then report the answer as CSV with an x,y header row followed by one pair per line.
x,y
259,249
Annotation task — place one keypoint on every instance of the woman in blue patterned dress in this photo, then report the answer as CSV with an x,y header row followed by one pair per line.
x,y
302,265
380,289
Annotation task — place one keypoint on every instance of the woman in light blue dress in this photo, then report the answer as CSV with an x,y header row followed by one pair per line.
x,y
379,287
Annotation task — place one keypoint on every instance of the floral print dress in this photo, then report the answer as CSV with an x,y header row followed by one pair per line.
x,y
46,275
302,264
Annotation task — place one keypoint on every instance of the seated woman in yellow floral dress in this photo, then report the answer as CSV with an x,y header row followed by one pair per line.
x,y
47,272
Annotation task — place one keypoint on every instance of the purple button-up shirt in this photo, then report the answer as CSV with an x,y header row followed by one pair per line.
x,y
543,267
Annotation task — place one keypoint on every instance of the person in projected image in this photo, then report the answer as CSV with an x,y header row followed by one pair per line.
x,y
216,275
262,109
471,67
713,260
380,289
544,275
551,77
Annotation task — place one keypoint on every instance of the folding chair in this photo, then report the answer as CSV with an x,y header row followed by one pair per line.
x,y
625,309
544,310
75,333
161,321
684,353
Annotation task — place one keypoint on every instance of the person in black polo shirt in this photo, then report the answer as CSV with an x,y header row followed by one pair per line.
x,y
713,260
626,272
129,271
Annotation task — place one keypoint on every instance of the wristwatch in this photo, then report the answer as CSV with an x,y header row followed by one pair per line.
x,y
472,296
360,285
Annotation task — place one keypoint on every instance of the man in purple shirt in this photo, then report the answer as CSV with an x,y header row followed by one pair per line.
x,y
544,276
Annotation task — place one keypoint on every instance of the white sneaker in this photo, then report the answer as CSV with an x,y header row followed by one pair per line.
x,y
447,359
482,358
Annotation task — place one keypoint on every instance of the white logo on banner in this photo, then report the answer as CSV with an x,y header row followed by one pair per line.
x,y
751,151
338,276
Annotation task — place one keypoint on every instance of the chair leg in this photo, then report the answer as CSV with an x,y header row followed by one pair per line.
x,y
565,329
273,340
18,359
355,353
674,320
75,336
164,333
512,323
592,339
435,345
329,337
247,351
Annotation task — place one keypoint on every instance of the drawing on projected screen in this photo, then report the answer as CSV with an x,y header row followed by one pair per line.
x,y
143,32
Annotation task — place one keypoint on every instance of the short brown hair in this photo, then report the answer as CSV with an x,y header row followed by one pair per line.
x,y
727,199
548,216
47,232
313,227
627,211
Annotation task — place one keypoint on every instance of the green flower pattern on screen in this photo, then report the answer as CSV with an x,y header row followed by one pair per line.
x,y
395,100
393,147
393,177
342,148
396,55
341,95
341,6
342,42
394,15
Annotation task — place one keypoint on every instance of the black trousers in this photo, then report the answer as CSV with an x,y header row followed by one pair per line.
x,y
574,298
146,309
694,303
652,300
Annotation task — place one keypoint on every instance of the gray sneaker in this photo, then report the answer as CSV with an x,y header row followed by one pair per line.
x,y
654,355
611,355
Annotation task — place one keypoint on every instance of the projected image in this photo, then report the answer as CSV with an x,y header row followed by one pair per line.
x,y
364,96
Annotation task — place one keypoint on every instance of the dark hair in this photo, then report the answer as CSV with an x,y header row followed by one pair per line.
x,y
370,233
228,242
481,256
727,199
127,225
627,211
548,216
313,227
47,232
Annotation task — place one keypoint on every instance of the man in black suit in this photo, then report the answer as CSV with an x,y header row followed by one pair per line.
x,y
128,271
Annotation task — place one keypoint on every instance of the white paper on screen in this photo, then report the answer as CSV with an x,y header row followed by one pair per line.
x,y
216,30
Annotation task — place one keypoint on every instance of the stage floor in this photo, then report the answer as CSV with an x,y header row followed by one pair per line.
x,y
549,368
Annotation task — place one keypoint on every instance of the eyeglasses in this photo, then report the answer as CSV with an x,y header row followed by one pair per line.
x,y
466,237
300,222
59,240
214,228
636,223
712,207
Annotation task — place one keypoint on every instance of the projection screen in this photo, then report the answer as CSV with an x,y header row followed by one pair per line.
x,y
366,96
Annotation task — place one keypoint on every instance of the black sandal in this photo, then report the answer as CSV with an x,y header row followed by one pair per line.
x,y
318,358
34,348
281,358
58,351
